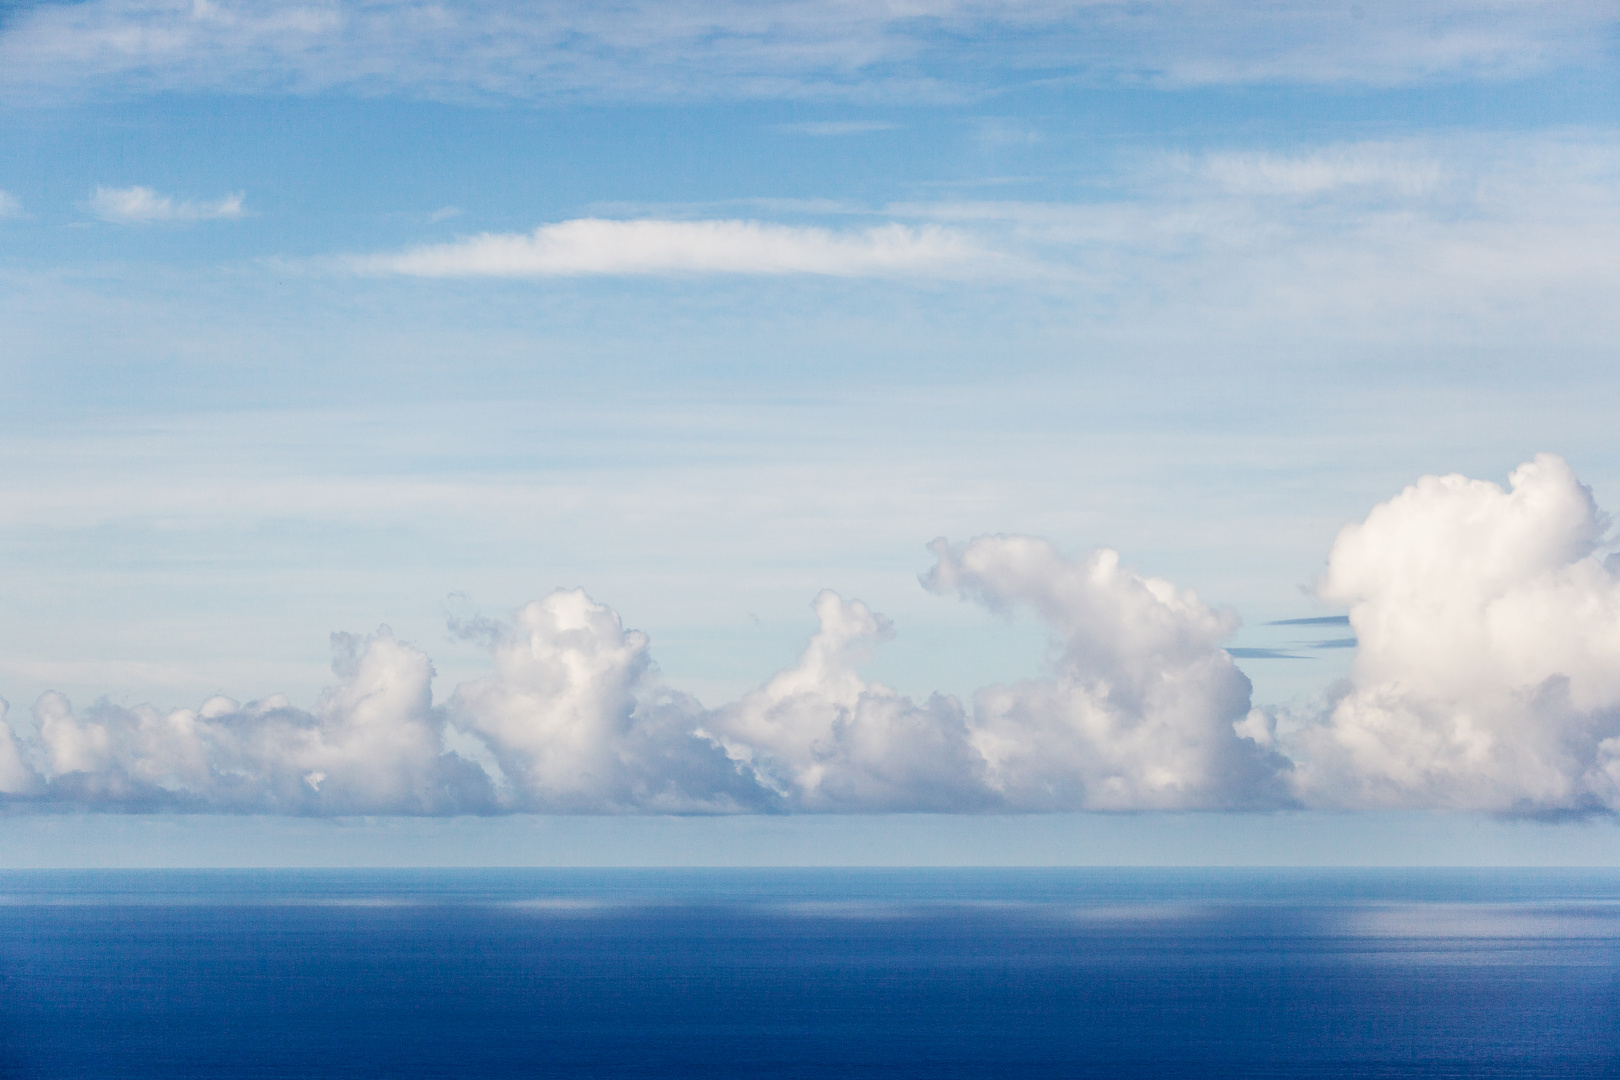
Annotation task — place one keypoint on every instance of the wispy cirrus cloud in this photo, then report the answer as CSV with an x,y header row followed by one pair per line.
x,y
732,49
143,206
10,205
1403,170
596,246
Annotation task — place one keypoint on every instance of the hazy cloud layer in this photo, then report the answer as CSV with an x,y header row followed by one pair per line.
x,y
1468,239
589,246
143,206
1487,678
787,48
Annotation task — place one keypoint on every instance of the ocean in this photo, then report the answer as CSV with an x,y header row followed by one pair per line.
x,y
820,973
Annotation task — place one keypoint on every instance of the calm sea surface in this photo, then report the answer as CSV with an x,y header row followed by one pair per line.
x,y
811,973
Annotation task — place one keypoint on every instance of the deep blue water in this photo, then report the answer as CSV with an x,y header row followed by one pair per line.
x,y
812,973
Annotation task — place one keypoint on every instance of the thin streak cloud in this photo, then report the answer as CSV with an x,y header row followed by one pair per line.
x,y
143,206
1400,170
596,246
826,128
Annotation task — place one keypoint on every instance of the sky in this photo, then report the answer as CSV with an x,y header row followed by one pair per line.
x,y
1052,428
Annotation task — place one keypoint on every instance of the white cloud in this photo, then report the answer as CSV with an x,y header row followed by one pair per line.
x,y
10,205
372,744
572,719
597,246
143,206
783,48
1404,170
1145,710
840,127
578,721
1488,671
823,738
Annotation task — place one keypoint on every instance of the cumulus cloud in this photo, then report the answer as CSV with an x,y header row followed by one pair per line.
x,y
143,206
741,49
596,246
1487,678
1487,674
1146,709
372,744
578,721
823,738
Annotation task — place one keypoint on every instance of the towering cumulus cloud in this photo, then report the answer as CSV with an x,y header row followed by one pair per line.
x,y
1488,671
824,739
578,721
1146,710
1487,678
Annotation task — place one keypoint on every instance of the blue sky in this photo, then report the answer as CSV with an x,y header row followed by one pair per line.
x,y
1198,283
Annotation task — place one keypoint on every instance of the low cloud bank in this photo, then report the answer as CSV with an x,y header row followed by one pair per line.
x,y
1487,678
574,717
